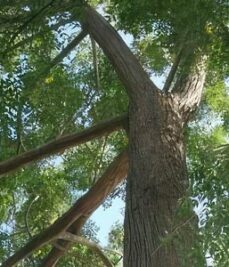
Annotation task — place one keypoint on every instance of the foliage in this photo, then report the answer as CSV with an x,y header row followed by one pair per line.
x,y
35,110
208,168
37,107
115,245
177,27
116,236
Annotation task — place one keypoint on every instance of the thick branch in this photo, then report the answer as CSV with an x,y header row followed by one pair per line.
x,y
189,89
125,63
114,174
63,143
92,245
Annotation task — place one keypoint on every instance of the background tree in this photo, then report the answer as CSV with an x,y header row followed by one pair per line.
x,y
50,88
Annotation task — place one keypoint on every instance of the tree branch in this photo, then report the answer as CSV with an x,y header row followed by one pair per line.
x,y
61,247
189,87
130,71
62,143
95,64
180,55
27,217
27,22
172,72
27,39
88,203
92,245
64,52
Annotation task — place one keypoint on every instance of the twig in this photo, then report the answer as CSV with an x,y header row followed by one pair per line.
x,y
27,216
92,245
26,23
95,63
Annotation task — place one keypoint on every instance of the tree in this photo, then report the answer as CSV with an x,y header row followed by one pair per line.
x,y
189,39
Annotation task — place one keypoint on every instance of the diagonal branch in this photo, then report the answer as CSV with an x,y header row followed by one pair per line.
x,y
92,245
27,22
28,39
64,52
129,70
182,53
27,216
172,72
88,203
95,64
63,143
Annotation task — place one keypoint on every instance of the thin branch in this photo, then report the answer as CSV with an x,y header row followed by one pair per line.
x,y
27,216
98,160
26,23
19,128
95,63
62,143
92,245
179,56
88,203
64,52
28,39
172,72
61,247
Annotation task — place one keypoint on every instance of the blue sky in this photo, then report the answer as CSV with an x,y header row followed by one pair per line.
x,y
105,218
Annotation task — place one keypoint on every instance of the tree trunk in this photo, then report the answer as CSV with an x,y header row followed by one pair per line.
x,y
157,177
157,180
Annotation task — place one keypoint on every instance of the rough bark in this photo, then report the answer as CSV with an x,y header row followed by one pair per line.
x,y
157,179
189,87
114,174
63,143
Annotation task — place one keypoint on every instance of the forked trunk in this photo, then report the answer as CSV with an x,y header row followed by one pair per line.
x,y
155,235
157,178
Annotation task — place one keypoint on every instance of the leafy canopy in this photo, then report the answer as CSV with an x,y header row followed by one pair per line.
x,y
39,103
